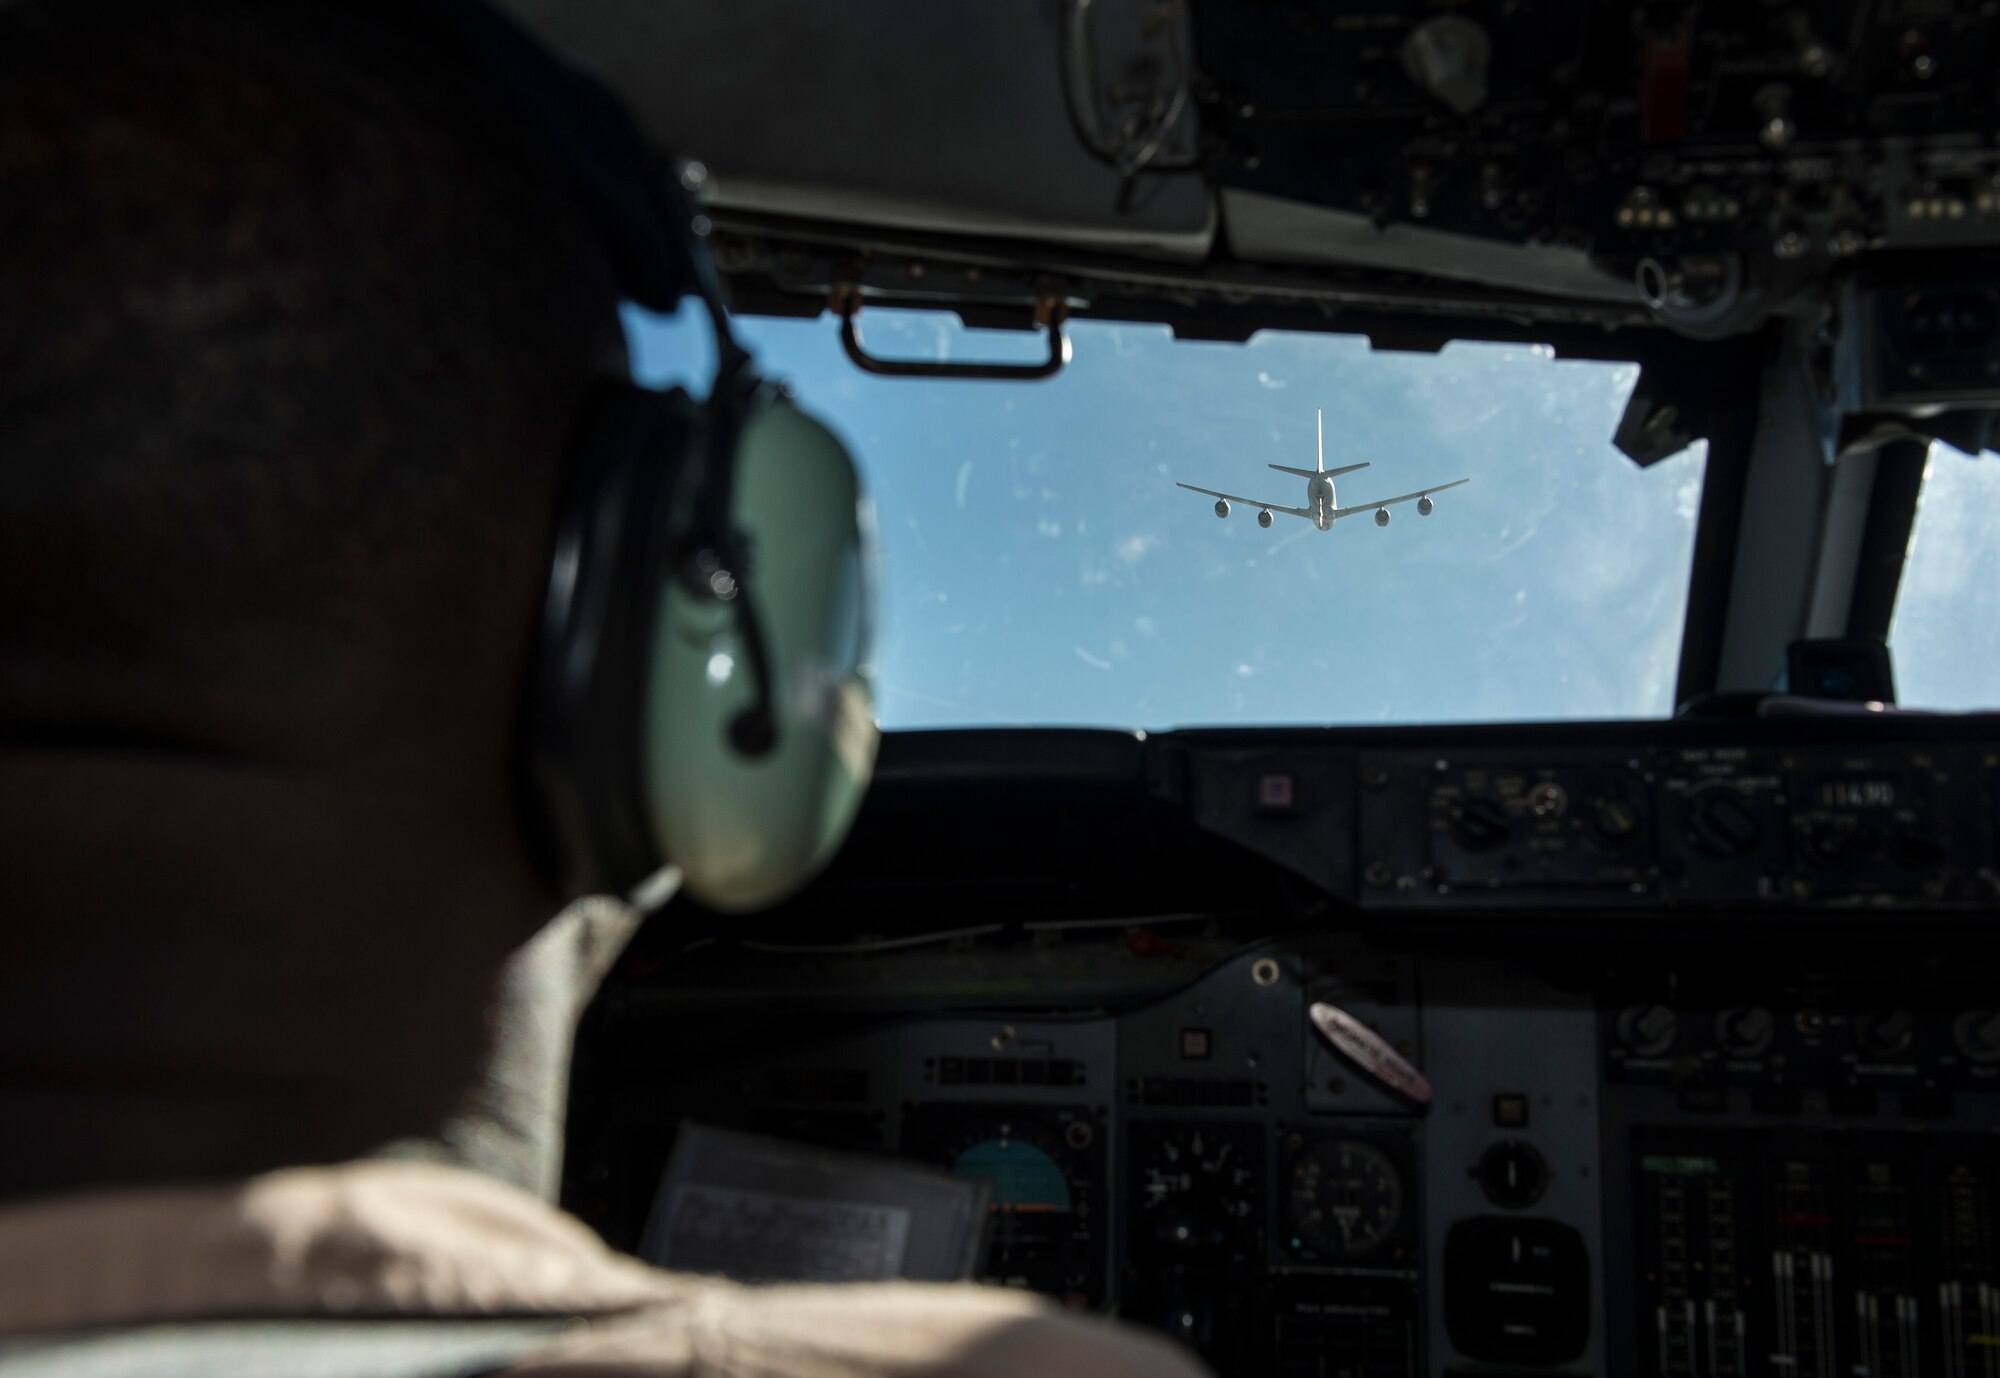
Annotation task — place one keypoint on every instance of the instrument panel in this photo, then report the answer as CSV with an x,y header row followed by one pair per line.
x,y
1685,1172
1828,817
1765,829
1765,1141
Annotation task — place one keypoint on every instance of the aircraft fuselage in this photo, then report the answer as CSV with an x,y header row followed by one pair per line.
x,y
1319,501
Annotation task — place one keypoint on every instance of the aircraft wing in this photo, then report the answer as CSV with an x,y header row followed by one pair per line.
x,y
1252,502
1386,502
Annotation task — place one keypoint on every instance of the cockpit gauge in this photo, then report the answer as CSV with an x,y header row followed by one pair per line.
x,y
1196,1235
1044,1225
1197,1188
1346,1199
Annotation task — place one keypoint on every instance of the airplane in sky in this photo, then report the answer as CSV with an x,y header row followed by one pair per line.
x,y
1321,509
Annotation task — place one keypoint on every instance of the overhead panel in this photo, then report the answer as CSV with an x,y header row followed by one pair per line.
x,y
896,114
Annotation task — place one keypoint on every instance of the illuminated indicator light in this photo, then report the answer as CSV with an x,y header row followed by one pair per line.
x,y
1916,210
1645,217
1936,207
1957,209
1666,220
1985,202
1624,215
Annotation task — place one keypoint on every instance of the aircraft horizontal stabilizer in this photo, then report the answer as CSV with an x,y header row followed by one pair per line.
x,y
1318,473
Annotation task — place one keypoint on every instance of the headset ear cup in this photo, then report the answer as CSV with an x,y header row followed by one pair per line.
x,y
752,796
585,789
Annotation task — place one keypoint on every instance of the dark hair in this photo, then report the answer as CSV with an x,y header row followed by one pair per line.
x,y
292,318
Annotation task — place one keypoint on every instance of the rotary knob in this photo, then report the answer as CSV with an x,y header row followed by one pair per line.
x,y
1829,843
1647,1030
1977,1034
1746,1031
1722,824
1885,1033
1617,819
1513,1175
1482,825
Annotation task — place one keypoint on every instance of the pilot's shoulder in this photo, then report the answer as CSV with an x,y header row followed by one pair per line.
x,y
897,1330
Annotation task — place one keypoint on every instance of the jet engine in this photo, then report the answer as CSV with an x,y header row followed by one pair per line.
x,y
1381,516
1425,506
1222,507
1264,517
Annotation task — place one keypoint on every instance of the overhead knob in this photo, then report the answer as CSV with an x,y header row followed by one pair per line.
x,y
1647,1030
1977,1034
1746,1031
1885,1033
1447,56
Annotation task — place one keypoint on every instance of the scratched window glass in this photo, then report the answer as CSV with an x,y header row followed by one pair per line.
x,y
1041,566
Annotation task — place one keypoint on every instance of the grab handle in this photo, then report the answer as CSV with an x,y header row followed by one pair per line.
x,y
849,306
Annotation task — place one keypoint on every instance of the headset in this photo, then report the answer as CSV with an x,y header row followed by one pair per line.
x,y
700,700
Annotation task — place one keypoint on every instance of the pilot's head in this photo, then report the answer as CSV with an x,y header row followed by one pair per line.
x,y
298,332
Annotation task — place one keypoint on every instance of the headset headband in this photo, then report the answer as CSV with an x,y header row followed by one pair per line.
x,y
639,204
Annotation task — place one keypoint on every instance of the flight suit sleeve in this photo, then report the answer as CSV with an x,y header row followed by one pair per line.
x,y
861,1331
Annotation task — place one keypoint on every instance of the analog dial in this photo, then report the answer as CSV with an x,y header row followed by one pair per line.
x,y
1346,1198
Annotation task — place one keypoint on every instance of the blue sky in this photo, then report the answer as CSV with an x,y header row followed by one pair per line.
x,y
1040,567
1946,635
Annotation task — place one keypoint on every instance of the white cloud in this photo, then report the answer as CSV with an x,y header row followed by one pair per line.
x,y
964,481
1087,658
1244,671
1274,384
1133,548
1145,626
1687,498
1048,528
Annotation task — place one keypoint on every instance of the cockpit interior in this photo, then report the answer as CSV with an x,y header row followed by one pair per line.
x,y
1543,1013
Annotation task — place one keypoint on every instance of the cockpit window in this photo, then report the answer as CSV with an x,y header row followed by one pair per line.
x,y
1948,606
1041,566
